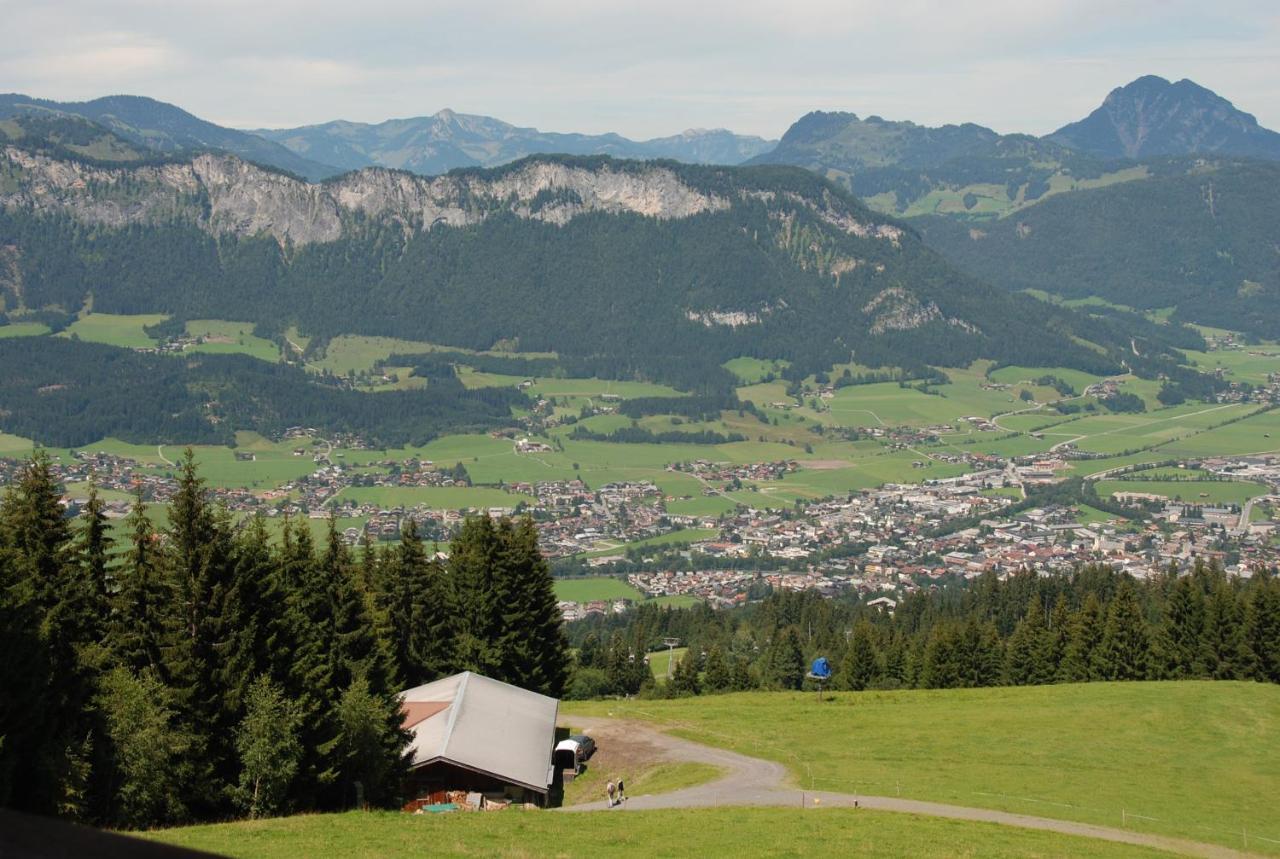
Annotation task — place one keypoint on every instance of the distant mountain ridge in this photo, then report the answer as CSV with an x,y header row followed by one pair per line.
x,y
446,140
1152,116
165,128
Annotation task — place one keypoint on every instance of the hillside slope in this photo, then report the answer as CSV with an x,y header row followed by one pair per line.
x,y
1198,236
165,128
655,269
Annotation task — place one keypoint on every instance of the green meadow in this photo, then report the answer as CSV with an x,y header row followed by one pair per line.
x,y
223,337
667,834
115,329
595,588
23,329
1196,760
1195,492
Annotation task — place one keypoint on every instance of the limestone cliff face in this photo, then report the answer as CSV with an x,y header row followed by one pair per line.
x,y
225,195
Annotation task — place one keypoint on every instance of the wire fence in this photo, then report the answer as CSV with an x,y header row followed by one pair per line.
x,y
1095,815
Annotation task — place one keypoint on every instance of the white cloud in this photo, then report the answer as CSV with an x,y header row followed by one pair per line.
x,y
641,68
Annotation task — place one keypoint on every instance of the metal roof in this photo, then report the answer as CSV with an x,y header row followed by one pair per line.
x,y
485,725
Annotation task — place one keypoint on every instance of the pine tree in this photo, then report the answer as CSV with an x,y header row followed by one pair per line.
x,y
980,655
1223,649
531,648
718,676
784,667
141,620
1053,645
1125,650
417,601
473,561
202,570
1026,651
861,664
1263,628
47,580
1080,663
684,680
1184,629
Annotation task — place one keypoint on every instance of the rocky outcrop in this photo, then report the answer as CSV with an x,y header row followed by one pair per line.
x,y
226,195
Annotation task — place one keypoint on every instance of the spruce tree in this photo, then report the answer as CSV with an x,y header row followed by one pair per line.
x,y
1080,663
141,620
1125,650
1223,649
719,675
1053,645
861,664
1026,650
684,679
1184,629
473,562
1263,628
531,647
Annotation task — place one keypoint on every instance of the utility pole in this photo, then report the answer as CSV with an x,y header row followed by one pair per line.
x,y
671,644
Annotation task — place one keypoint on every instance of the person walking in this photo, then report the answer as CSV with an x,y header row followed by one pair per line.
x,y
610,788
621,796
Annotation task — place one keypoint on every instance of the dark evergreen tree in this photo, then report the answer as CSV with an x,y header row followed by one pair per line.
x,y
1125,650
142,618
860,667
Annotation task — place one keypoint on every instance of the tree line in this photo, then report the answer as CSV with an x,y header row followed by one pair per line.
x,y
1091,624
206,669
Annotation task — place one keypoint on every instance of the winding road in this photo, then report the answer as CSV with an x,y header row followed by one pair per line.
x,y
751,781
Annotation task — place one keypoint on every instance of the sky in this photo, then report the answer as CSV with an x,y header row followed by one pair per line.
x,y
642,69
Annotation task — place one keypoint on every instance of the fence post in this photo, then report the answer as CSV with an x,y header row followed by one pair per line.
x,y
1124,822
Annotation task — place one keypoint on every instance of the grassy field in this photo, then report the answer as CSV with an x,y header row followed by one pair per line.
x,y
114,329
222,337
23,329
660,660
1197,760
672,833
1193,491
595,588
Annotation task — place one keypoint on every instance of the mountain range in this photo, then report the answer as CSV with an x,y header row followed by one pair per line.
x,y
701,264
435,144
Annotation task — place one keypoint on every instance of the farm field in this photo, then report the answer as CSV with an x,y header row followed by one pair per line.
x,y
595,588
1197,760
1259,433
1251,364
670,833
1194,492
223,337
1077,379
115,329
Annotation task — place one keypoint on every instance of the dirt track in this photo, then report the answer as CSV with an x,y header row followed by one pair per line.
x,y
752,781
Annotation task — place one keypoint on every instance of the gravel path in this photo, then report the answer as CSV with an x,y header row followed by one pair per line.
x,y
752,781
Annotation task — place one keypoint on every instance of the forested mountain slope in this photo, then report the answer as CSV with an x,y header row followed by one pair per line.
x,y
658,270
165,128
1201,236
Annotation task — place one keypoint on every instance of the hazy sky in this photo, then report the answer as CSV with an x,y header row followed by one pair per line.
x,y
642,69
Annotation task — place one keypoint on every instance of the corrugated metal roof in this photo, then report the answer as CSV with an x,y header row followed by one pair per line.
x,y
485,725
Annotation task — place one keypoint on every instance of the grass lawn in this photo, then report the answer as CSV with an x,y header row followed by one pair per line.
x,y
15,446
23,329
671,538
595,588
1196,760
676,601
114,329
670,833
